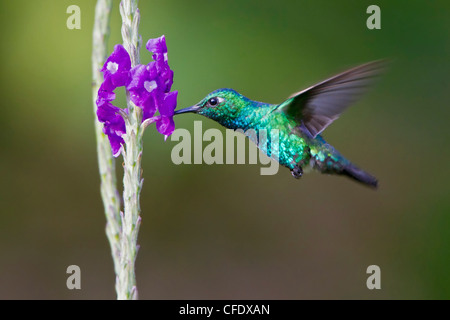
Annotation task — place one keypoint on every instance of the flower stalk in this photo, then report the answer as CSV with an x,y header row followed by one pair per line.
x,y
147,91
106,162
132,155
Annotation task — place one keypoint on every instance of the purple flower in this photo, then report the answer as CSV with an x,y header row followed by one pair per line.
x,y
113,124
149,86
159,48
114,128
106,111
157,45
116,73
117,68
165,124
144,89
105,92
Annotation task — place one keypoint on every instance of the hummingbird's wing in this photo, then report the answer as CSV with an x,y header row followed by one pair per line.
x,y
318,106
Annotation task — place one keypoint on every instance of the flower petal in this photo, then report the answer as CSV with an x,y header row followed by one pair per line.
x,y
170,103
157,45
148,107
105,92
116,144
106,111
138,74
144,83
117,67
115,126
114,129
165,125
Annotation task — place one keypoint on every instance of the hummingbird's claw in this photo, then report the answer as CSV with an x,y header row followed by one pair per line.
x,y
297,172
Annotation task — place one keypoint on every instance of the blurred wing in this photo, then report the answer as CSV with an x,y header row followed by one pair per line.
x,y
318,106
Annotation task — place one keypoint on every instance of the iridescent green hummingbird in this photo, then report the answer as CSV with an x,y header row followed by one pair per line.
x,y
299,120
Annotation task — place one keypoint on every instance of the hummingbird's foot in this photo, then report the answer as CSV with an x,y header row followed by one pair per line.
x,y
297,172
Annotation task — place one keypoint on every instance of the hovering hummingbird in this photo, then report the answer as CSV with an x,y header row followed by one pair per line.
x,y
300,120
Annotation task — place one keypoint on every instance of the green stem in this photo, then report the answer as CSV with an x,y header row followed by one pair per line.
x,y
106,163
132,155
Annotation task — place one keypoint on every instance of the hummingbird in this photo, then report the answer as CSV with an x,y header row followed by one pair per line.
x,y
300,120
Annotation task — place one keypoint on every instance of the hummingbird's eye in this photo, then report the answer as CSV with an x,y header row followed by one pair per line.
x,y
213,102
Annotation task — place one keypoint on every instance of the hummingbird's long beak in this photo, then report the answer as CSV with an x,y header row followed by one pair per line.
x,y
189,109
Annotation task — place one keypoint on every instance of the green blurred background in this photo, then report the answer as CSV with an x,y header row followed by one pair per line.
x,y
213,232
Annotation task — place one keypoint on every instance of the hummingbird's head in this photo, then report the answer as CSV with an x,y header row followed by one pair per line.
x,y
222,105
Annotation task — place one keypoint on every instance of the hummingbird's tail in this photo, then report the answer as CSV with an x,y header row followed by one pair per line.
x,y
359,175
327,159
